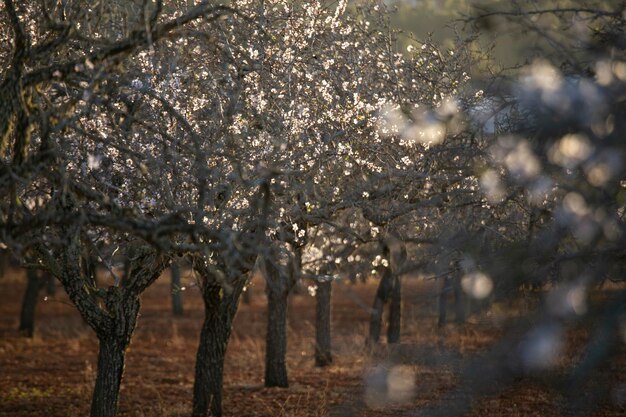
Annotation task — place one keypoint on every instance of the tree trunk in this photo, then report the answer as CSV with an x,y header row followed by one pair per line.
x,y
175,287
29,303
443,301
51,284
109,376
376,317
114,337
395,312
276,339
279,281
323,352
219,311
207,388
113,322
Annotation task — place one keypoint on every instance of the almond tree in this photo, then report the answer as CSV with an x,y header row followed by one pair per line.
x,y
81,142
347,120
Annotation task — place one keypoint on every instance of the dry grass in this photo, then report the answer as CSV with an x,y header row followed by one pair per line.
x,y
53,373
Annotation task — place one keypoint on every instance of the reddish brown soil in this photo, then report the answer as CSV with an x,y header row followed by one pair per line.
x,y
52,374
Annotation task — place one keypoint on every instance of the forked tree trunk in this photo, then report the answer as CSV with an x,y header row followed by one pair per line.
x,y
113,322
382,295
175,288
276,339
29,303
323,352
395,312
219,312
114,339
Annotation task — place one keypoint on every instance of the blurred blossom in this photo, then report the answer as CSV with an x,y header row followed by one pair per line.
x,y
477,285
542,347
604,73
400,383
570,151
93,161
586,230
544,80
427,132
449,107
426,127
386,386
604,127
577,215
575,203
517,156
608,72
522,162
487,114
312,290
503,146
137,84
578,98
543,76
491,185
376,387
603,167
392,120
540,190
568,300
468,263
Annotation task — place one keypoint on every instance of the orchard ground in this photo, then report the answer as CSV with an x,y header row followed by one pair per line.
x,y
53,373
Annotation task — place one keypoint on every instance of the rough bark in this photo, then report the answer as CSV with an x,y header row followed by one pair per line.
x,y
279,280
382,295
276,339
323,351
109,377
395,312
220,308
175,287
115,320
29,303
114,338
